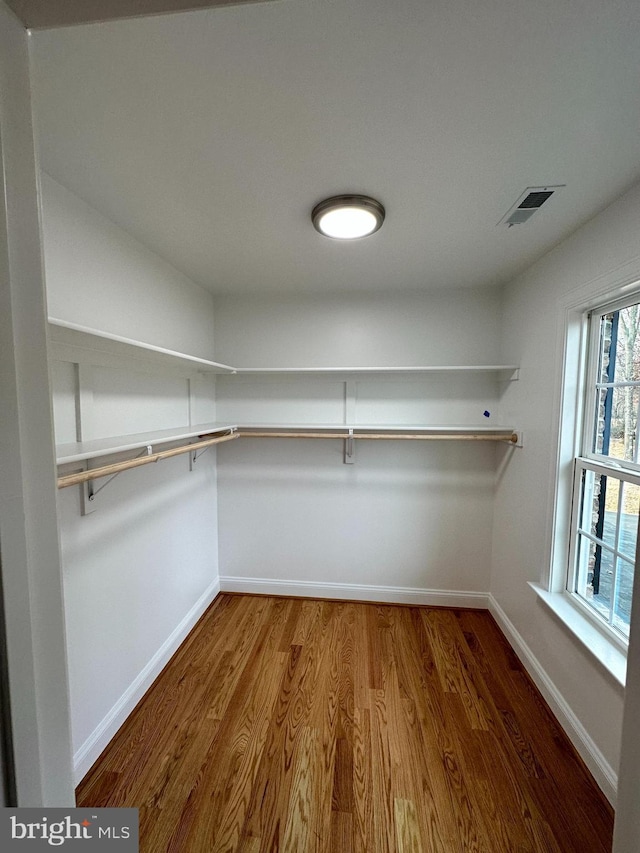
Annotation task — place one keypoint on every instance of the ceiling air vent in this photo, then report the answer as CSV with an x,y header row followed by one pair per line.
x,y
529,202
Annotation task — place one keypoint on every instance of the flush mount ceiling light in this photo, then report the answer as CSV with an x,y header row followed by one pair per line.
x,y
346,217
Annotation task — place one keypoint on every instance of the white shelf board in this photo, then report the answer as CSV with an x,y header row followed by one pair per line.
x,y
72,335
505,371
81,450
429,429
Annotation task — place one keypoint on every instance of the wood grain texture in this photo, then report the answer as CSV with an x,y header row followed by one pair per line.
x,y
336,727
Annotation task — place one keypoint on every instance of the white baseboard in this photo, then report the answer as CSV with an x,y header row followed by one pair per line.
x,y
90,750
356,592
599,767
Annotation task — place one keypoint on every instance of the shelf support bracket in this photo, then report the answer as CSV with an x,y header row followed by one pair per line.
x,y
89,493
349,449
194,456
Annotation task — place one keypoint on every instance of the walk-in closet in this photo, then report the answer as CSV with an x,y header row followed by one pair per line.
x,y
266,438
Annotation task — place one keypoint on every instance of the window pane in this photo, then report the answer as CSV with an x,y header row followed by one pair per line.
x,y
600,507
606,544
595,588
629,520
624,588
617,398
616,433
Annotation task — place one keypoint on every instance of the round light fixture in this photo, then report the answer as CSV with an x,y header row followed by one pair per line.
x,y
347,217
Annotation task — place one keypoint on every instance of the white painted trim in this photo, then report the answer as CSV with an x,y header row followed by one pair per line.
x,y
598,641
37,699
93,746
600,769
618,283
356,592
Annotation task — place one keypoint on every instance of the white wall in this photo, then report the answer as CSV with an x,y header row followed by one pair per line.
x,y
603,252
403,516
133,571
139,569
445,327
98,276
410,516
31,579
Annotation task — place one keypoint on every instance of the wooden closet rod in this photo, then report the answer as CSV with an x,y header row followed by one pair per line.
x,y
475,436
116,467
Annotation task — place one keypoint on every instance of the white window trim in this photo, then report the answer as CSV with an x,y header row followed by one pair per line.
x,y
589,460
568,417
608,655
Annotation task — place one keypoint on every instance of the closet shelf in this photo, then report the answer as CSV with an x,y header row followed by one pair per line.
x,y
82,450
71,336
85,450
503,371
433,429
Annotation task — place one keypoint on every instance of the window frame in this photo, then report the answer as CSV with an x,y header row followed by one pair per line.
x,y
586,459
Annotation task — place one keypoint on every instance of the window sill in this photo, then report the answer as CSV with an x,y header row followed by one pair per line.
x,y
604,650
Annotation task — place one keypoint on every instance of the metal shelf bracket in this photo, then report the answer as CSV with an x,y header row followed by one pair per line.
x,y
349,449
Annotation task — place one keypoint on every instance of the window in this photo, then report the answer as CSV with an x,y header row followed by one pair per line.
x,y
606,488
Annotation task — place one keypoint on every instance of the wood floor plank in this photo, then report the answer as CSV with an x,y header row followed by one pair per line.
x,y
230,804
216,757
435,737
341,832
383,813
220,808
270,789
363,799
443,631
543,750
407,827
361,663
212,724
339,727
298,833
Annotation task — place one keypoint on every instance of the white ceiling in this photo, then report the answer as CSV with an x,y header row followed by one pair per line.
x,y
210,135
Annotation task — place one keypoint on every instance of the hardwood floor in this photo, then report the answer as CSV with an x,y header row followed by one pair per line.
x,y
300,726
